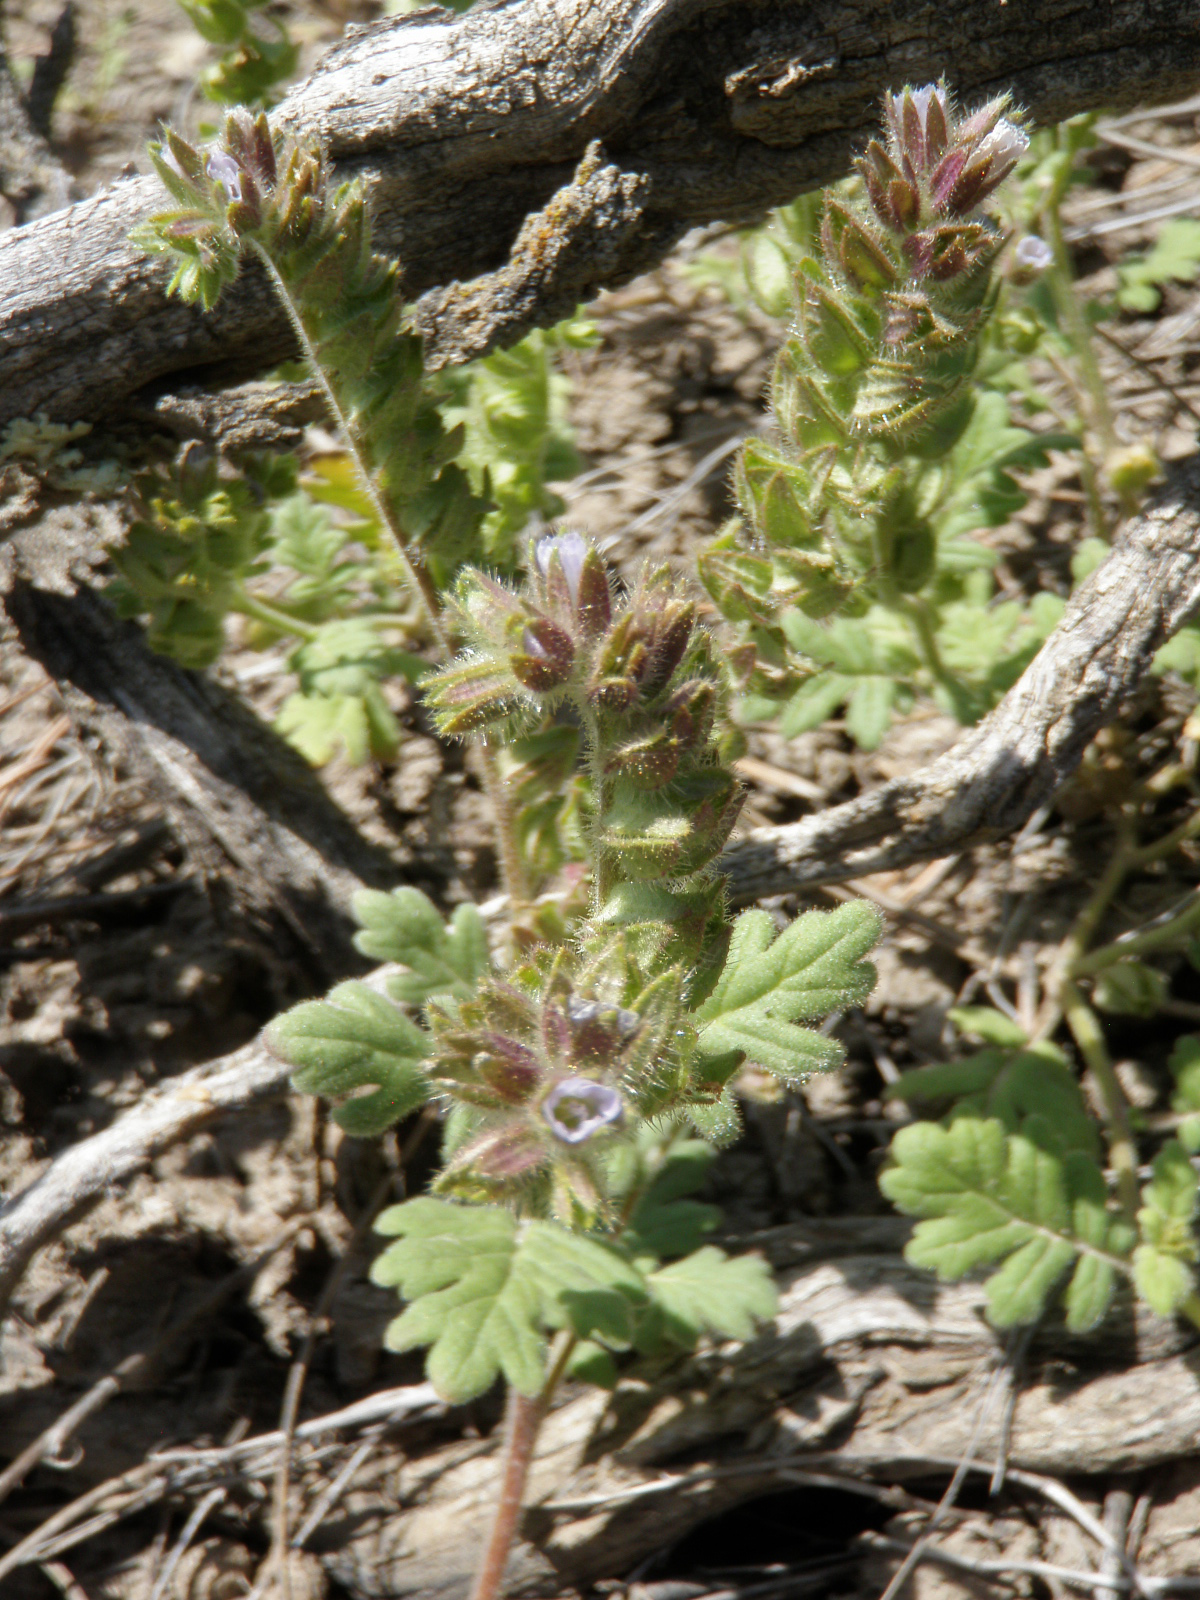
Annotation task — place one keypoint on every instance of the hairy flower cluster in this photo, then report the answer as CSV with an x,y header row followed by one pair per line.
x,y
889,313
640,678
278,198
551,1076
936,169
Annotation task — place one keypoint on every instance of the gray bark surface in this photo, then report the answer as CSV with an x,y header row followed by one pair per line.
x,y
465,127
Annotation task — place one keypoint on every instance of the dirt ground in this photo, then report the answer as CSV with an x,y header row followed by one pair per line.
x,y
241,1252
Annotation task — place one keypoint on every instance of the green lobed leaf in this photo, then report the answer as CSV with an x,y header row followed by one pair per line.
x,y
1184,1063
986,1196
1130,989
406,927
664,1223
485,1289
707,1292
355,1039
1174,258
1164,1259
769,981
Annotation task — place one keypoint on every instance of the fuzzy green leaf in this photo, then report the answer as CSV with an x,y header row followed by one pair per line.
x,y
405,926
1032,1092
351,1040
707,1292
990,1196
485,1289
770,981
1163,1260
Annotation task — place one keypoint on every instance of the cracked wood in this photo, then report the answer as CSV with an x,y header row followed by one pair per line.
x,y
466,126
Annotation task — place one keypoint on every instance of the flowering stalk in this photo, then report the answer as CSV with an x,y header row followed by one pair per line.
x,y
873,386
569,1075
274,198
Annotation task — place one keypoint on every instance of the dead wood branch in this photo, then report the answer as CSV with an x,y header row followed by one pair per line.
x,y
275,852
991,782
466,125
163,1116
873,1373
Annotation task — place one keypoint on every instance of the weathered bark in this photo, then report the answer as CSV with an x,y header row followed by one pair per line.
x,y
273,848
465,125
993,780
163,1116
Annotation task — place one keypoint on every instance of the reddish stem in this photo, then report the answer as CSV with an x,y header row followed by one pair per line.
x,y
522,1423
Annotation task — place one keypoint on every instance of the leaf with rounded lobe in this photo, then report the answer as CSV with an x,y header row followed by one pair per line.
x,y
485,1289
355,1039
986,1195
771,980
707,1292
405,926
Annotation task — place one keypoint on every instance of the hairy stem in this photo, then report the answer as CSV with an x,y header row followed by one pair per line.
x,y
508,851
419,579
523,1418
601,872
1122,1149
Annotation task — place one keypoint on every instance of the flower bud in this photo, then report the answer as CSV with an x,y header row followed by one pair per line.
x,y
988,162
574,581
1132,467
546,657
224,171
598,1032
470,695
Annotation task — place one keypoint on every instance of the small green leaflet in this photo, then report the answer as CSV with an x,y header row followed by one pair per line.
x,y
1162,1262
664,1223
355,1039
405,927
1032,1091
484,1289
1174,258
990,1196
340,701
770,981
1185,1068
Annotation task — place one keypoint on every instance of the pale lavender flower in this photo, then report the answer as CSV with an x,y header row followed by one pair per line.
x,y
224,170
572,551
576,1108
1033,254
1003,147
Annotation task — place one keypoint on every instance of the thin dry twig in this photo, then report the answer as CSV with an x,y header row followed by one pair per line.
x,y
49,1445
188,1532
190,1469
